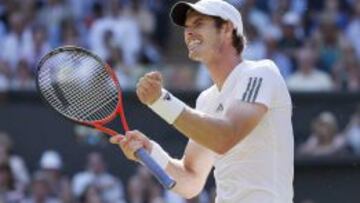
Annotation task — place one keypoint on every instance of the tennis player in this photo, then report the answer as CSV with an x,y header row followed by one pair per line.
x,y
241,125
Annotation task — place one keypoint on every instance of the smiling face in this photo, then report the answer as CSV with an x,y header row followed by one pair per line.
x,y
203,39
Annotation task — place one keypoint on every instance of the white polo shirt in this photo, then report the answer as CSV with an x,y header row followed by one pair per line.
x,y
259,169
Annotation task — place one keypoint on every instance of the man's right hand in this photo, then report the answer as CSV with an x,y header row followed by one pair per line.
x,y
148,89
131,142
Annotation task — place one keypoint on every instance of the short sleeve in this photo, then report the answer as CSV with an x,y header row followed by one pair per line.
x,y
258,84
200,101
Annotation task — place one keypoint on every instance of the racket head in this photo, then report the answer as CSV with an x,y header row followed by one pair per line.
x,y
79,85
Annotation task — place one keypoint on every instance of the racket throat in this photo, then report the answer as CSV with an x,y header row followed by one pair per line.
x,y
105,130
121,113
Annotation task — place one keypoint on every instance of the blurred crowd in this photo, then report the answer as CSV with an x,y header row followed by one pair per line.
x,y
95,184
314,43
126,34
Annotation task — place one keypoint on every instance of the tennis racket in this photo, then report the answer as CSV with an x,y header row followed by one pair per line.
x,y
80,86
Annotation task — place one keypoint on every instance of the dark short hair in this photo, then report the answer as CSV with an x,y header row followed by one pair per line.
x,y
238,42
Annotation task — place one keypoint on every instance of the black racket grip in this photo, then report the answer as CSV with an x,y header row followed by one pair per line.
x,y
166,181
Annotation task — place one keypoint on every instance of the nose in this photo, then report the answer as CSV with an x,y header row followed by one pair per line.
x,y
188,32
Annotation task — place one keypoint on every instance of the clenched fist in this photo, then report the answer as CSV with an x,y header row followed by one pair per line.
x,y
148,89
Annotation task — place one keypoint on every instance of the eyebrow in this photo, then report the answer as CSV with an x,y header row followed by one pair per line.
x,y
198,19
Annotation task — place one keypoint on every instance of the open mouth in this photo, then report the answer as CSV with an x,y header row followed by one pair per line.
x,y
193,44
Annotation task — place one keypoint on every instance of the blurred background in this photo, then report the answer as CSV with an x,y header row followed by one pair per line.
x,y
46,159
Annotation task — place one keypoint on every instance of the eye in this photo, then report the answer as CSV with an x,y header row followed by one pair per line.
x,y
198,24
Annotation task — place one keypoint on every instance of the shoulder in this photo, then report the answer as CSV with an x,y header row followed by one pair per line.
x,y
262,71
264,67
261,82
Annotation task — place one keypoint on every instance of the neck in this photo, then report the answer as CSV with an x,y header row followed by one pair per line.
x,y
221,66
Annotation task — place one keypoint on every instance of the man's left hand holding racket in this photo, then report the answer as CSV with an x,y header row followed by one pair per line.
x,y
81,87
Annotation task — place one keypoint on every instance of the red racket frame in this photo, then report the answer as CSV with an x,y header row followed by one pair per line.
x,y
118,111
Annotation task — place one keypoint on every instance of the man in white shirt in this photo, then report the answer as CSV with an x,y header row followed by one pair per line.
x,y
241,125
308,78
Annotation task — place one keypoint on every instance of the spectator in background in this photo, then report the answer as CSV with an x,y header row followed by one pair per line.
x,y
143,188
255,47
335,8
16,163
352,131
8,192
142,15
15,42
96,174
291,39
91,195
325,139
80,8
162,29
125,30
254,15
308,77
51,165
38,46
346,72
23,78
70,33
29,9
96,11
40,191
329,41
124,73
353,30
273,53
140,12
51,15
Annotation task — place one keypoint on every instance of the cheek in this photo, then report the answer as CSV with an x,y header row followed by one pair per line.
x,y
214,42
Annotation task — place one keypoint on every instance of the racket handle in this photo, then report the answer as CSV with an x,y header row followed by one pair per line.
x,y
155,168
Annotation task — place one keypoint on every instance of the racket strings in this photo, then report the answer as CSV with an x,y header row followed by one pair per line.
x,y
81,101
69,78
86,95
88,89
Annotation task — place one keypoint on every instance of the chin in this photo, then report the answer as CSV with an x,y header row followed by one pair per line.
x,y
194,57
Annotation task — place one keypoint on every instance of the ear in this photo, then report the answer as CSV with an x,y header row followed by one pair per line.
x,y
228,29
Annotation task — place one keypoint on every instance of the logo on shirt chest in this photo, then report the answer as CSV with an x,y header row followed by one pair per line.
x,y
220,108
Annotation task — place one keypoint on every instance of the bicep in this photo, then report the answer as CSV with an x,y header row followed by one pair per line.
x,y
244,117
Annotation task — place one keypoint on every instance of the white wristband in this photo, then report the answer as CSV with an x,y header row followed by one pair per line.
x,y
159,155
168,107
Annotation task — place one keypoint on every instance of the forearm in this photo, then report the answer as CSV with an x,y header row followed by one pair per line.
x,y
214,133
188,183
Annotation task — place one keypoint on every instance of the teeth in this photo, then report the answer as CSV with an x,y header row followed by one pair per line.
x,y
194,43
